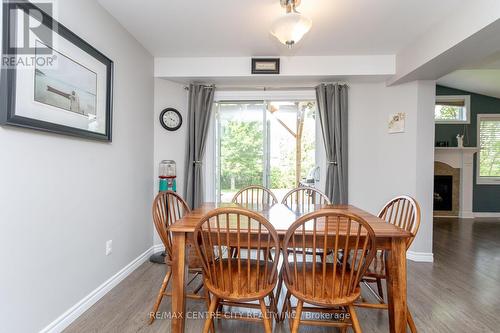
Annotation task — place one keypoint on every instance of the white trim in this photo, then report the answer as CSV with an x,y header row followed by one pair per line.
x,y
158,248
466,214
420,256
466,99
484,180
451,149
471,215
84,304
265,95
481,214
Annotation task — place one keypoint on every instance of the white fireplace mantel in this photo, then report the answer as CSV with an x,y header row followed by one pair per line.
x,y
463,159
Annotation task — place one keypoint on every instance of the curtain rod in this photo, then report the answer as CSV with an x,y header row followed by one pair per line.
x,y
269,88
256,88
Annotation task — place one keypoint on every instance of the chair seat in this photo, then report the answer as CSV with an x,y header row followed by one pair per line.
x,y
324,293
238,283
376,268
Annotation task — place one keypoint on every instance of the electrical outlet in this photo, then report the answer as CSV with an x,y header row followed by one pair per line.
x,y
109,247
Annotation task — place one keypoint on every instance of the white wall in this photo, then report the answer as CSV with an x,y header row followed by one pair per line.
x,y
169,145
296,66
425,164
383,165
61,198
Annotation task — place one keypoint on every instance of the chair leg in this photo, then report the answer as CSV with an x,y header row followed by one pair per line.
x,y
298,313
265,316
354,318
198,288
280,284
273,305
211,312
160,296
289,310
207,296
409,320
379,288
278,290
284,309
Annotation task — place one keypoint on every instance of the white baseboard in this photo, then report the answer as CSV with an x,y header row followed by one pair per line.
x,y
419,256
466,214
486,214
471,215
83,305
158,248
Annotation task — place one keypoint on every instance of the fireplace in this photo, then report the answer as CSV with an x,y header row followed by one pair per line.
x,y
446,190
443,193
458,163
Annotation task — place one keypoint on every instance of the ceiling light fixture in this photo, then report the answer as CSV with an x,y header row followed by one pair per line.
x,y
291,27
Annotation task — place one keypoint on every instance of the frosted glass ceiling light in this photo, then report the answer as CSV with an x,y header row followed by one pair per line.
x,y
291,27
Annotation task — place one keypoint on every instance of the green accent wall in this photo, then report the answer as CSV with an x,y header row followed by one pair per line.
x,y
486,198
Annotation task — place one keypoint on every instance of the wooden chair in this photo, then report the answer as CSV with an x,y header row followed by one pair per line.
x,y
304,198
247,276
331,286
168,207
255,195
404,212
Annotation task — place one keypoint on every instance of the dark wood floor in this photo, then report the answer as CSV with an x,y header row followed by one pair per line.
x,y
460,292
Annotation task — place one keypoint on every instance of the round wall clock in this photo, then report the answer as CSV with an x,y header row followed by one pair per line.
x,y
170,119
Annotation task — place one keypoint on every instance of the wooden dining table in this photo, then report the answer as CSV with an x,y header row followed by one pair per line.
x,y
388,237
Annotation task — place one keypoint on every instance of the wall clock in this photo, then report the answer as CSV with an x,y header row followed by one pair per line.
x,y
170,119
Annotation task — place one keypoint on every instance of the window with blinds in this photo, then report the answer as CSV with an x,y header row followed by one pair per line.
x,y
454,109
489,148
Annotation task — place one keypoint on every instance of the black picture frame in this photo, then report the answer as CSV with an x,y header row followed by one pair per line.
x,y
172,129
273,61
9,75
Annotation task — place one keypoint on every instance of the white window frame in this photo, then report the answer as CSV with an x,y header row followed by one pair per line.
x,y
466,99
481,180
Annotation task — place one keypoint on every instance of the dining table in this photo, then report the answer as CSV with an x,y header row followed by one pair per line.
x,y
389,238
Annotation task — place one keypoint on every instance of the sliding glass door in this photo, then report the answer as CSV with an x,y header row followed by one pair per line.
x,y
240,137
269,143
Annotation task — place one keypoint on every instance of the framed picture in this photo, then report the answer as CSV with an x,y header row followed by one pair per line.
x,y
52,80
396,123
265,66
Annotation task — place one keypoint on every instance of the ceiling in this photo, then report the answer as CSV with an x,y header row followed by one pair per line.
x,y
480,78
197,28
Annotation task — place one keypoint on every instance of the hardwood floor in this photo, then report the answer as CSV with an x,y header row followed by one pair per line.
x,y
460,292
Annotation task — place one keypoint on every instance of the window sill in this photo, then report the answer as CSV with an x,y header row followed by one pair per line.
x,y
487,181
452,122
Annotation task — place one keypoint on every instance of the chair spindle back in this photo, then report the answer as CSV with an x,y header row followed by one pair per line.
x,y
323,279
304,199
168,207
231,235
403,212
255,195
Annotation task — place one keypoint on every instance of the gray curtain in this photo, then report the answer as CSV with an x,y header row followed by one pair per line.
x,y
332,110
201,98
